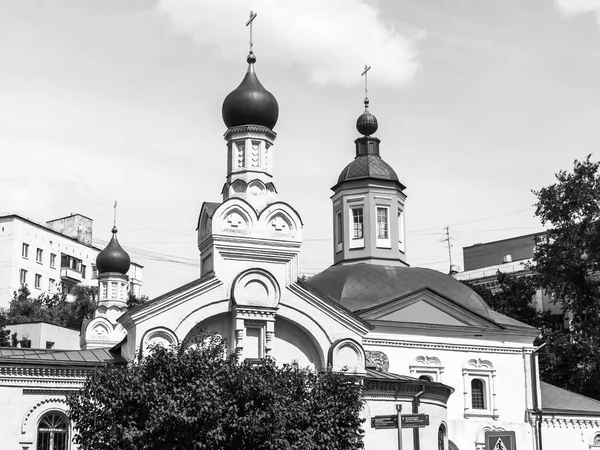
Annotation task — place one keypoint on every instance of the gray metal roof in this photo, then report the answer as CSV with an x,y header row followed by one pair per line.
x,y
368,166
92,357
556,400
361,286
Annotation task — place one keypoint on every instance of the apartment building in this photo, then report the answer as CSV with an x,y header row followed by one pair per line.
x,y
50,257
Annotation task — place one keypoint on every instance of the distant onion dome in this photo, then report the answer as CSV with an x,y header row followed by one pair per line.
x,y
366,124
113,258
250,103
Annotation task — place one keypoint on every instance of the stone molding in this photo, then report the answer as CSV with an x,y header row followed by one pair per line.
x,y
443,346
53,400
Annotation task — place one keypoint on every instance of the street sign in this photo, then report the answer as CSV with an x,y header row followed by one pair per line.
x,y
384,421
415,420
500,440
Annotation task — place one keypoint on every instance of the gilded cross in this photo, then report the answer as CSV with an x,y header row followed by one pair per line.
x,y
367,68
249,23
115,214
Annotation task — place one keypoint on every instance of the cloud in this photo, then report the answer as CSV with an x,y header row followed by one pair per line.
x,y
570,8
329,40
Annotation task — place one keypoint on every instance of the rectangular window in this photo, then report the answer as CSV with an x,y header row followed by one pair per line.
x,y
401,232
340,227
477,394
51,285
39,253
382,223
83,271
25,250
23,276
52,260
49,345
95,271
38,281
357,223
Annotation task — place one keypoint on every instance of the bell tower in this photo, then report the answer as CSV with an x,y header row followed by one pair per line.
x,y
368,203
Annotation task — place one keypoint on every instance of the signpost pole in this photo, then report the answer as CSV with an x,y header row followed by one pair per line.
x,y
399,412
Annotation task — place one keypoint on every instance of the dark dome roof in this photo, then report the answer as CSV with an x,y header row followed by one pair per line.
x,y
368,166
361,286
113,258
366,124
250,103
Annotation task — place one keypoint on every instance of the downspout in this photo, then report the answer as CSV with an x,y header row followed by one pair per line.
x,y
536,400
415,410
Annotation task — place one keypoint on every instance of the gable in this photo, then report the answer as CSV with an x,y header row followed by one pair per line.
x,y
422,312
426,307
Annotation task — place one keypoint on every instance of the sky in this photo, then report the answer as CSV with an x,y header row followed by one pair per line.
x,y
479,102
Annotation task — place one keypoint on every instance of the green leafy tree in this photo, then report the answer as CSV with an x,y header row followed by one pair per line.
x,y
513,297
57,308
567,263
198,398
4,333
133,300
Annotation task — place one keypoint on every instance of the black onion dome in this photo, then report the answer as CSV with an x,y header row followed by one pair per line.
x,y
366,124
250,103
368,166
113,258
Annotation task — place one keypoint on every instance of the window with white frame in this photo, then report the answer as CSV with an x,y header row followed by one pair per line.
x,y
427,366
23,276
479,377
39,254
51,285
383,226
401,233
339,226
53,432
357,227
25,250
52,260
38,281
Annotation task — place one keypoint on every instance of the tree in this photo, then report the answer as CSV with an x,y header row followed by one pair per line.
x,y
567,263
56,309
133,300
4,333
512,297
198,398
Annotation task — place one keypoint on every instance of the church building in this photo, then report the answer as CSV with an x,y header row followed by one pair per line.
x,y
430,351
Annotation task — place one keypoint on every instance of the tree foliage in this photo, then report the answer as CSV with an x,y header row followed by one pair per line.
x,y
198,398
56,309
513,297
567,263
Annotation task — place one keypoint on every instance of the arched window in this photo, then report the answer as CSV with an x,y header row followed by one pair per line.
x,y
442,437
425,378
53,432
477,394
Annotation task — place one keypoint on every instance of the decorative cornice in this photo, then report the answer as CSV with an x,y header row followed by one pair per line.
x,y
250,131
444,346
15,371
36,406
567,422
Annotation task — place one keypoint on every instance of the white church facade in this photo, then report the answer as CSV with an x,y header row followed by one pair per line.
x,y
427,347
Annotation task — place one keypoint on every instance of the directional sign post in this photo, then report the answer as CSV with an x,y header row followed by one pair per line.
x,y
415,420
384,421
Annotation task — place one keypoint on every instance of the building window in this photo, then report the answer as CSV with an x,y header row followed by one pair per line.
x,y
51,285
23,276
83,271
95,271
38,281
25,250
38,255
479,383
53,432
477,394
357,223
401,232
340,227
442,437
382,223
52,260
49,345
427,368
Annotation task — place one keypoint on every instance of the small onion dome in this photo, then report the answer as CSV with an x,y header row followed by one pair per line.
x,y
250,103
113,258
366,124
